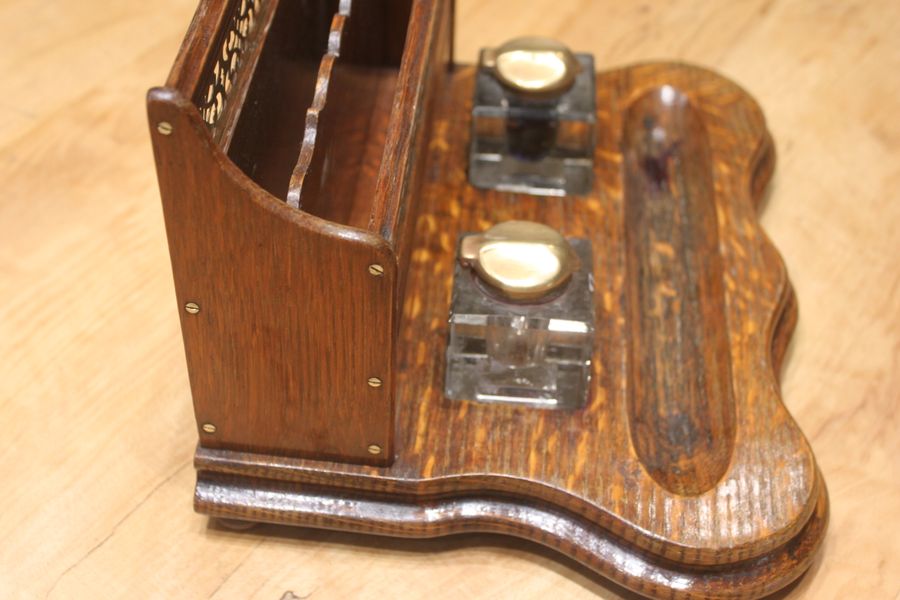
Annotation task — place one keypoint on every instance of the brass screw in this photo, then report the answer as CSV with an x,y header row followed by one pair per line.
x,y
164,127
208,428
374,382
192,307
376,270
374,449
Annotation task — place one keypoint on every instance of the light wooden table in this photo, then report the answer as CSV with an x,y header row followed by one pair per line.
x,y
95,412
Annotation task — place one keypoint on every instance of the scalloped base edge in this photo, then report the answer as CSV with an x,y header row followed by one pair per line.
x,y
251,499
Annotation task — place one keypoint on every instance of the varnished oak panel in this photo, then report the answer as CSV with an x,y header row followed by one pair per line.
x,y
292,350
95,405
271,285
744,481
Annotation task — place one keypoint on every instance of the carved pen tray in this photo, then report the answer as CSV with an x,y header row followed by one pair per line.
x,y
315,336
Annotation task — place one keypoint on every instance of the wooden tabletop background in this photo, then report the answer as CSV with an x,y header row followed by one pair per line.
x,y
97,429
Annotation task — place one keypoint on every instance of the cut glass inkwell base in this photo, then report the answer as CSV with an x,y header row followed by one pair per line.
x,y
533,119
521,320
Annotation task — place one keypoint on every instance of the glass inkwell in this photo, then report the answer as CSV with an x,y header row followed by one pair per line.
x,y
533,119
521,318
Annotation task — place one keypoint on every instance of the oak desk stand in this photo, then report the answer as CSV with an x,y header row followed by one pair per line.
x,y
315,336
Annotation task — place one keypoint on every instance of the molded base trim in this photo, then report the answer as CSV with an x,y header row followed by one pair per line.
x,y
259,500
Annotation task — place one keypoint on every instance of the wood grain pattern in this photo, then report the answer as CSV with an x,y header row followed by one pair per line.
x,y
751,485
301,385
94,395
680,401
706,470
577,538
420,84
271,298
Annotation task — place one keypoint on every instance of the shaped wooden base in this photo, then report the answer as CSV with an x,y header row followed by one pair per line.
x,y
684,476
234,497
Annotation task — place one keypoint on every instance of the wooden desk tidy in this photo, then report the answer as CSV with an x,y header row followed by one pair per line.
x,y
315,336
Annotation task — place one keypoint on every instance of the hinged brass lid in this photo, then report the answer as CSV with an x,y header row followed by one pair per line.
x,y
521,259
533,66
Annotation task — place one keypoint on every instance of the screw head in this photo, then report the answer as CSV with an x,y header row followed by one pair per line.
x,y
164,127
376,270
374,382
208,428
192,308
374,449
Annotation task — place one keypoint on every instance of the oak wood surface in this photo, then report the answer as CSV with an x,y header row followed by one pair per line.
x,y
260,284
743,484
95,403
270,280
684,449
675,275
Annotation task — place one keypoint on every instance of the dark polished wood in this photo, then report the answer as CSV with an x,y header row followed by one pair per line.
x,y
230,497
293,348
684,476
586,463
680,400
272,286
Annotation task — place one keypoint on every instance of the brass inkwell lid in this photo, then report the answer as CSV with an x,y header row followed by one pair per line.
x,y
523,260
532,66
